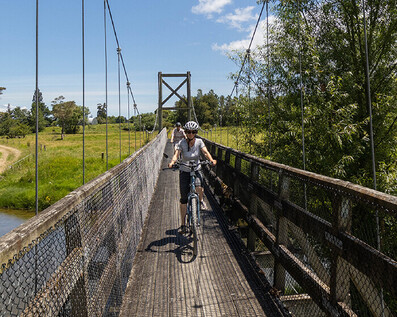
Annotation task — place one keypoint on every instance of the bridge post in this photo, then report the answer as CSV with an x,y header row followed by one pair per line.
x,y
253,208
189,98
160,101
281,232
237,166
78,296
340,279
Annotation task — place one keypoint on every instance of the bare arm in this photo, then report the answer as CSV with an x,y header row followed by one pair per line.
x,y
174,158
208,155
172,136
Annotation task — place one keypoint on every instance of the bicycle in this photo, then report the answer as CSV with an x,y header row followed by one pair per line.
x,y
193,202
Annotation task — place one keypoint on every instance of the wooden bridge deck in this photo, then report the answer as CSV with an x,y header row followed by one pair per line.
x,y
167,280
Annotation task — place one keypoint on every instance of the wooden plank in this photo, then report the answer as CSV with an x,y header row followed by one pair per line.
x,y
174,75
212,284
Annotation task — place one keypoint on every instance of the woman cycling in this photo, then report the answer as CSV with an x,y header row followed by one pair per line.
x,y
190,149
177,134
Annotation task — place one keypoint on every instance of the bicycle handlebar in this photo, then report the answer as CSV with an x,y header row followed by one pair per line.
x,y
192,164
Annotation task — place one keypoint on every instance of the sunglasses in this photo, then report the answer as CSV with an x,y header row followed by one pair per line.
x,y
190,131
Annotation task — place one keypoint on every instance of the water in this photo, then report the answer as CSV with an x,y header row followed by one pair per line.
x,y
10,219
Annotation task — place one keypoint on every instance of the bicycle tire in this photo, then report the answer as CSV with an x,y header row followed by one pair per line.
x,y
194,206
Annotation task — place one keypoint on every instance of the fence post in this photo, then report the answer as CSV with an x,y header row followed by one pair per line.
x,y
340,280
78,296
237,166
281,232
253,208
227,157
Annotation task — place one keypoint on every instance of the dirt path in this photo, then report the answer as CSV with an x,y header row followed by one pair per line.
x,y
6,151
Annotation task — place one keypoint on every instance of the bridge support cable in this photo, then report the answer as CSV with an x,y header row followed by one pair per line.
x,y
106,83
83,62
128,120
268,77
37,140
371,133
37,108
249,48
247,57
121,60
118,76
301,97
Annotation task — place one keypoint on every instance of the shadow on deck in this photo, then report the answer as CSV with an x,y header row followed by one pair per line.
x,y
166,278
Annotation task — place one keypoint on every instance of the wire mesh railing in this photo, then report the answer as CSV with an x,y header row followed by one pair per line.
x,y
329,247
74,258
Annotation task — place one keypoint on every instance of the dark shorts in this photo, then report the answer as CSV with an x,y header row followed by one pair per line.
x,y
184,184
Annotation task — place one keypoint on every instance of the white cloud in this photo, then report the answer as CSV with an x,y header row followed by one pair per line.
x,y
241,45
209,7
238,18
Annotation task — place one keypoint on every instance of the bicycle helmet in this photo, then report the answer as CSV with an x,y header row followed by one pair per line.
x,y
191,125
178,124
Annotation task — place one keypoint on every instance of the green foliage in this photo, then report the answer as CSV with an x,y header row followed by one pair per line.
x,y
101,113
44,114
326,40
68,115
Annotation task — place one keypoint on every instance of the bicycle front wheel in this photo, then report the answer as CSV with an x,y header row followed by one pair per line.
x,y
194,205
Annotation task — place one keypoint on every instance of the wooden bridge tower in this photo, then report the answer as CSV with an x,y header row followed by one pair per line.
x,y
187,102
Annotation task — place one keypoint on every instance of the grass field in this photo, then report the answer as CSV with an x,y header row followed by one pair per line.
x,y
230,137
61,163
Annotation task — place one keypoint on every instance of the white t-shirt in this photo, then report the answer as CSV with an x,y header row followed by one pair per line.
x,y
190,154
178,135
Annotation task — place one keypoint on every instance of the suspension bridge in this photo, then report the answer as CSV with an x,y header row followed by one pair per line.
x,y
276,241
111,247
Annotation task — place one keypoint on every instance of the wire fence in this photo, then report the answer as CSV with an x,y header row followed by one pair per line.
x,y
74,258
329,247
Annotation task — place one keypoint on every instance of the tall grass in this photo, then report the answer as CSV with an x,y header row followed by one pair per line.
x,y
61,163
233,137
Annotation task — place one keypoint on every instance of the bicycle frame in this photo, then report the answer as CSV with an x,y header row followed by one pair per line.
x,y
192,194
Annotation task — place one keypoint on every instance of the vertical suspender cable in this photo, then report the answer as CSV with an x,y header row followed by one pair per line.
x,y
301,89
37,107
369,103
268,88
82,37
128,118
106,85
268,76
118,59
301,100
249,100
37,137
369,98
135,119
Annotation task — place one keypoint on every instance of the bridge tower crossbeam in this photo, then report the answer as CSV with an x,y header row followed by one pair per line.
x,y
162,101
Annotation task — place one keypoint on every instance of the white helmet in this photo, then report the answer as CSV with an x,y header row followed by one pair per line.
x,y
191,125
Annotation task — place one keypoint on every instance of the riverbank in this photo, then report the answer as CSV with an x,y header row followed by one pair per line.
x,y
60,163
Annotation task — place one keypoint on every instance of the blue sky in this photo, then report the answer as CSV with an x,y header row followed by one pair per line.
x,y
173,36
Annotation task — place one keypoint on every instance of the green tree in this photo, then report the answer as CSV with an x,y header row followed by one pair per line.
x,y
101,113
44,114
326,40
68,115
